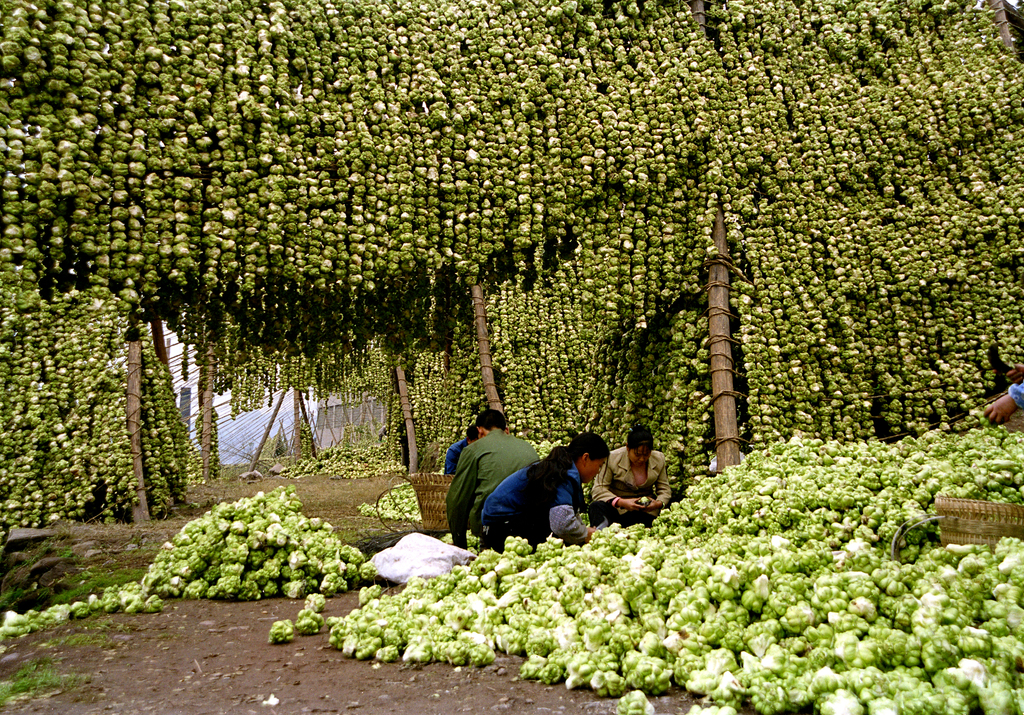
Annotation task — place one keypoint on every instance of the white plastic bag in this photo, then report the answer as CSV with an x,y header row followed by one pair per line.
x,y
419,555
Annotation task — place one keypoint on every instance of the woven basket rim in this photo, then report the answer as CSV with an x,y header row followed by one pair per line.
x,y
979,509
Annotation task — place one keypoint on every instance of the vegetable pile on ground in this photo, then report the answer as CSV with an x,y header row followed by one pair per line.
x,y
396,504
769,584
256,548
128,598
347,462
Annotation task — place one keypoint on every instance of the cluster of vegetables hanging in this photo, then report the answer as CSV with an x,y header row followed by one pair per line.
x,y
788,598
64,449
867,180
307,179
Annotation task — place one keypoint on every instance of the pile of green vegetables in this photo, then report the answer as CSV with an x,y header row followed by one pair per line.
x,y
396,504
771,584
255,548
128,599
347,461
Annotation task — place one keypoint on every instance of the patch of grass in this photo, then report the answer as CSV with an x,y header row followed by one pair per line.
x,y
81,640
11,597
94,581
35,678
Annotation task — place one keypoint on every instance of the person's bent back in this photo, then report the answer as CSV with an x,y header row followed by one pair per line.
x,y
481,468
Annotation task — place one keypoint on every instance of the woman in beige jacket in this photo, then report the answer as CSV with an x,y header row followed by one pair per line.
x,y
632,486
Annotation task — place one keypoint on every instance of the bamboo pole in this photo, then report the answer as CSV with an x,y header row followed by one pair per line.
x,y
296,424
305,418
484,346
140,512
410,429
207,379
999,12
157,328
723,397
697,9
266,432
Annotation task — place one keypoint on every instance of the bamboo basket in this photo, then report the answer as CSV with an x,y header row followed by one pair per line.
x,y
972,521
431,491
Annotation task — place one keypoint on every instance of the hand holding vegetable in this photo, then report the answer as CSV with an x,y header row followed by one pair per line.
x,y
1002,409
1016,374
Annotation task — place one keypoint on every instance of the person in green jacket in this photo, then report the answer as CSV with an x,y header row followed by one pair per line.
x,y
482,467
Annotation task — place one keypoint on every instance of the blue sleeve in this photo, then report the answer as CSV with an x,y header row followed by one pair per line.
x,y
1017,393
451,457
564,494
451,461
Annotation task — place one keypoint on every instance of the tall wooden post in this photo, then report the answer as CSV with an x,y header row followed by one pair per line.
x,y
140,512
157,328
484,346
297,425
206,378
266,432
410,429
999,12
697,9
312,433
722,395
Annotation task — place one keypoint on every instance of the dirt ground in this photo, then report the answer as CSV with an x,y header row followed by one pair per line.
x,y
206,656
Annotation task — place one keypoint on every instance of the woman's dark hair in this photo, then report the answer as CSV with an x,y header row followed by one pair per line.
x,y
639,437
545,476
472,434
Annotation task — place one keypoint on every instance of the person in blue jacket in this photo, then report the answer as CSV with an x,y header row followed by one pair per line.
x,y
546,497
451,457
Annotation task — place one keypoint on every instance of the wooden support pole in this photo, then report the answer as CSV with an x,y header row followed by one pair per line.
x,y
722,395
697,9
157,328
296,425
140,512
410,429
206,378
266,432
484,346
999,11
312,434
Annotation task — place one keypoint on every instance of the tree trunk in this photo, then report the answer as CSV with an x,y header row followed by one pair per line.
x,y
723,397
266,432
140,512
484,345
410,430
206,378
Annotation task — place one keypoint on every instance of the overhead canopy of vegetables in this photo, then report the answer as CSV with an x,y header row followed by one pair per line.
x,y
306,176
